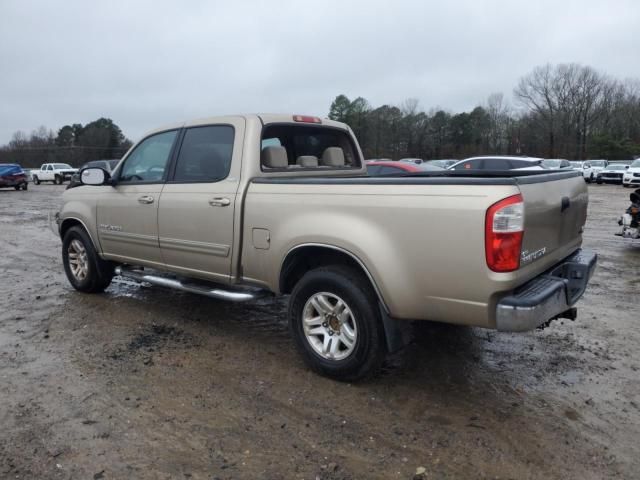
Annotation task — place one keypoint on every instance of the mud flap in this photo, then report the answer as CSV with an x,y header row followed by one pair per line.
x,y
399,333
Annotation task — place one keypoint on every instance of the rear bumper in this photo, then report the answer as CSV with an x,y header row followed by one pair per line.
x,y
547,296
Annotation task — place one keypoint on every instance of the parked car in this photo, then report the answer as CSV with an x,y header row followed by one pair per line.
x,y
12,175
375,169
613,173
107,165
444,163
203,207
631,176
54,172
589,168
596,167
556,163
498,163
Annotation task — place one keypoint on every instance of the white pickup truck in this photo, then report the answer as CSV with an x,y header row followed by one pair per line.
x,y
53,172
233,207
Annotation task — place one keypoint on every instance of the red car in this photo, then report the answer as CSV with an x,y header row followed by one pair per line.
x,y
389,167
12,175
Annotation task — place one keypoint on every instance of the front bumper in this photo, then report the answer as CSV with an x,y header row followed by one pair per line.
x,y
547,296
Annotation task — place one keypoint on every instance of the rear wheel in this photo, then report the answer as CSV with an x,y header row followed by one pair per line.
x,y
36,180
86,271
17,187
25,186
336,324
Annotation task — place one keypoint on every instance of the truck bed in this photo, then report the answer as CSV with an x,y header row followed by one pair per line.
x,y
421,236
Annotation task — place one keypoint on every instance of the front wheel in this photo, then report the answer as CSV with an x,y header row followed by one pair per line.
x,y
57,180
86,271
336,324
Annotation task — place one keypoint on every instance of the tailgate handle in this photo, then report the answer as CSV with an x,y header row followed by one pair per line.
x,y
566,203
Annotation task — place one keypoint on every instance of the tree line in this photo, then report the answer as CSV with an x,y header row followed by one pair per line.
x,y
559,111
74,144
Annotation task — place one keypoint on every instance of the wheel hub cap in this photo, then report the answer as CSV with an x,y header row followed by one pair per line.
x,y
78,261
329,326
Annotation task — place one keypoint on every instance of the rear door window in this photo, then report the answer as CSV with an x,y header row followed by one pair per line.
x,y
496,164
373,169
387,170
205,154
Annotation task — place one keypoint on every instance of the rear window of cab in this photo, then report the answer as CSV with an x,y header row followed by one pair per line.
x,y
286,146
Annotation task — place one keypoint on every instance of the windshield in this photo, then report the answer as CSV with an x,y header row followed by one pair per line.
x,y
59,166
598,163
635,164
551,163
576,164
616,167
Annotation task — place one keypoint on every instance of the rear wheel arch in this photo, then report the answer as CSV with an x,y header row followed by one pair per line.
x,y
304,258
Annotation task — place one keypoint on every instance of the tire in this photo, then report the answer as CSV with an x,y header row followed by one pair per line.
x,y
25,186
36,180
599,182
360,317
57,180
625,186
97,272
17,187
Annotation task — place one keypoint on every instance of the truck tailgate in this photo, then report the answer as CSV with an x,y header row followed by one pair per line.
x,y
554,216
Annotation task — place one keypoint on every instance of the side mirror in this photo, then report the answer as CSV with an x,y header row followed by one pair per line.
x,y
94,176
626,166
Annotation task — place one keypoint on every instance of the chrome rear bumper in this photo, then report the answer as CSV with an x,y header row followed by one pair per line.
x,y
548,296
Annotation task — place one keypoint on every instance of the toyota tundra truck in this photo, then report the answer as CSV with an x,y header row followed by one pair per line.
x,y
241,206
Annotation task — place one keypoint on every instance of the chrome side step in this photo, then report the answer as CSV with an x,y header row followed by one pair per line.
x,y
207,290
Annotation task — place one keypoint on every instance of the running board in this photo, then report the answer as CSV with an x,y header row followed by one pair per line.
x,y
200,288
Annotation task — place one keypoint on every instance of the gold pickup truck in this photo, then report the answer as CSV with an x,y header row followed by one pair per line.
x,y
238,206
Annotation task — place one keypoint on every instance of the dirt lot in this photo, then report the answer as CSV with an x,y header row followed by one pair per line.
x,y
150,383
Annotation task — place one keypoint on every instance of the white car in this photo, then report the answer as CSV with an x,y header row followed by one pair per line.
x,y
53,172
590,168
632,175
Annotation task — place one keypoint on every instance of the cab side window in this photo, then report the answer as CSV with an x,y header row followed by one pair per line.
x,y
467,166
205,154
148,162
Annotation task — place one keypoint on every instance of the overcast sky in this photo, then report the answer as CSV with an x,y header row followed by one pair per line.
x,y
144,64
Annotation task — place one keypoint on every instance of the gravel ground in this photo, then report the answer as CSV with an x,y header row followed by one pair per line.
x,y
147,383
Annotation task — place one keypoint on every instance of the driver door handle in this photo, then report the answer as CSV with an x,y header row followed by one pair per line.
x,y
219,202
146,199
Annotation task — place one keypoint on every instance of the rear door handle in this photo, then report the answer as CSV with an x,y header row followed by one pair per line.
x,y
219,202
146,199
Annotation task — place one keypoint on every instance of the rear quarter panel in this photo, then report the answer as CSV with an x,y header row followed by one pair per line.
x,y
422,244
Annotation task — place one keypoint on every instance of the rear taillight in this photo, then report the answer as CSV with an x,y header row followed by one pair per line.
x,y
504,228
